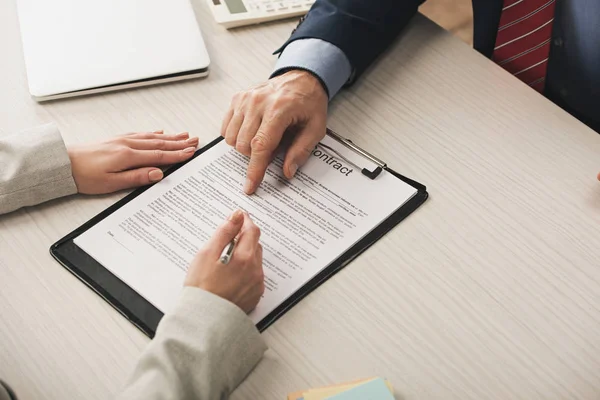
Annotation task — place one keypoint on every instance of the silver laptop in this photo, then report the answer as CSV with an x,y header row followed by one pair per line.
x,y
75,47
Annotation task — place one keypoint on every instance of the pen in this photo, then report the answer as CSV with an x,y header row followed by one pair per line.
x,y
228,252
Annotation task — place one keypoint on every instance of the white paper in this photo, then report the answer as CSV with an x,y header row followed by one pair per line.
x,y
306,223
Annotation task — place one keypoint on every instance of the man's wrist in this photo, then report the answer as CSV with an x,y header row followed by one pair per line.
x,y
322,59
304,73
304,83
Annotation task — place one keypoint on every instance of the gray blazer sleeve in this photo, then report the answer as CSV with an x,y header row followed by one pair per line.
x,y
202,350
34,168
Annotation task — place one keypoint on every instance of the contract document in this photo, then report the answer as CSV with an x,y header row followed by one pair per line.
x,y
306,222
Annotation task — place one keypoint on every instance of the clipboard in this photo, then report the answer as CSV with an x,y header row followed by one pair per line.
x,y
146,317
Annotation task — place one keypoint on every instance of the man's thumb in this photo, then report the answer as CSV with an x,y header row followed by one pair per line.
x,y
302,146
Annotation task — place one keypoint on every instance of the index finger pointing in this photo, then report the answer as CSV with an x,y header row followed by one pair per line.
x,y
262,147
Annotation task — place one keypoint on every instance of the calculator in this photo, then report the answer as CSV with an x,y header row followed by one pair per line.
x,y
233,13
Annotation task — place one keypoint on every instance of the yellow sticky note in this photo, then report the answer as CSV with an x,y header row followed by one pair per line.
x,y
300,394
328,391
323,393
295,396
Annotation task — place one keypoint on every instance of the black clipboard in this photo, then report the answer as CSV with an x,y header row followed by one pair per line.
x,y
146,317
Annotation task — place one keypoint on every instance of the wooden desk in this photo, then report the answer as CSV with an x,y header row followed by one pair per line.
x,y
490,291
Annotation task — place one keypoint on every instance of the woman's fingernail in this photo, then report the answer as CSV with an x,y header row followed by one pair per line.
x,y
159,132
193,140
189,150
293,169
248,186
236,215
184,134
155,175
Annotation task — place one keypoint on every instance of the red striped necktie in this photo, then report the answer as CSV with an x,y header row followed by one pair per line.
x,y
523,41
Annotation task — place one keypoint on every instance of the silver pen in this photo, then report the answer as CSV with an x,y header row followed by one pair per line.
x,y
228,252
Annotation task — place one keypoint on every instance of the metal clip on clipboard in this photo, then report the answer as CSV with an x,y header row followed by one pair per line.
x,y
348,143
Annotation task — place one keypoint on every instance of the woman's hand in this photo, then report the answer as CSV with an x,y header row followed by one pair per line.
x,y
127,161
242,280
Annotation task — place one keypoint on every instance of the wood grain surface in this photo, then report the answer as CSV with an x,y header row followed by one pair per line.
x,y
491,290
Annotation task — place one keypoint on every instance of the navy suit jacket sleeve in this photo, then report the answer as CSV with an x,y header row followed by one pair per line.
x,y
362,29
